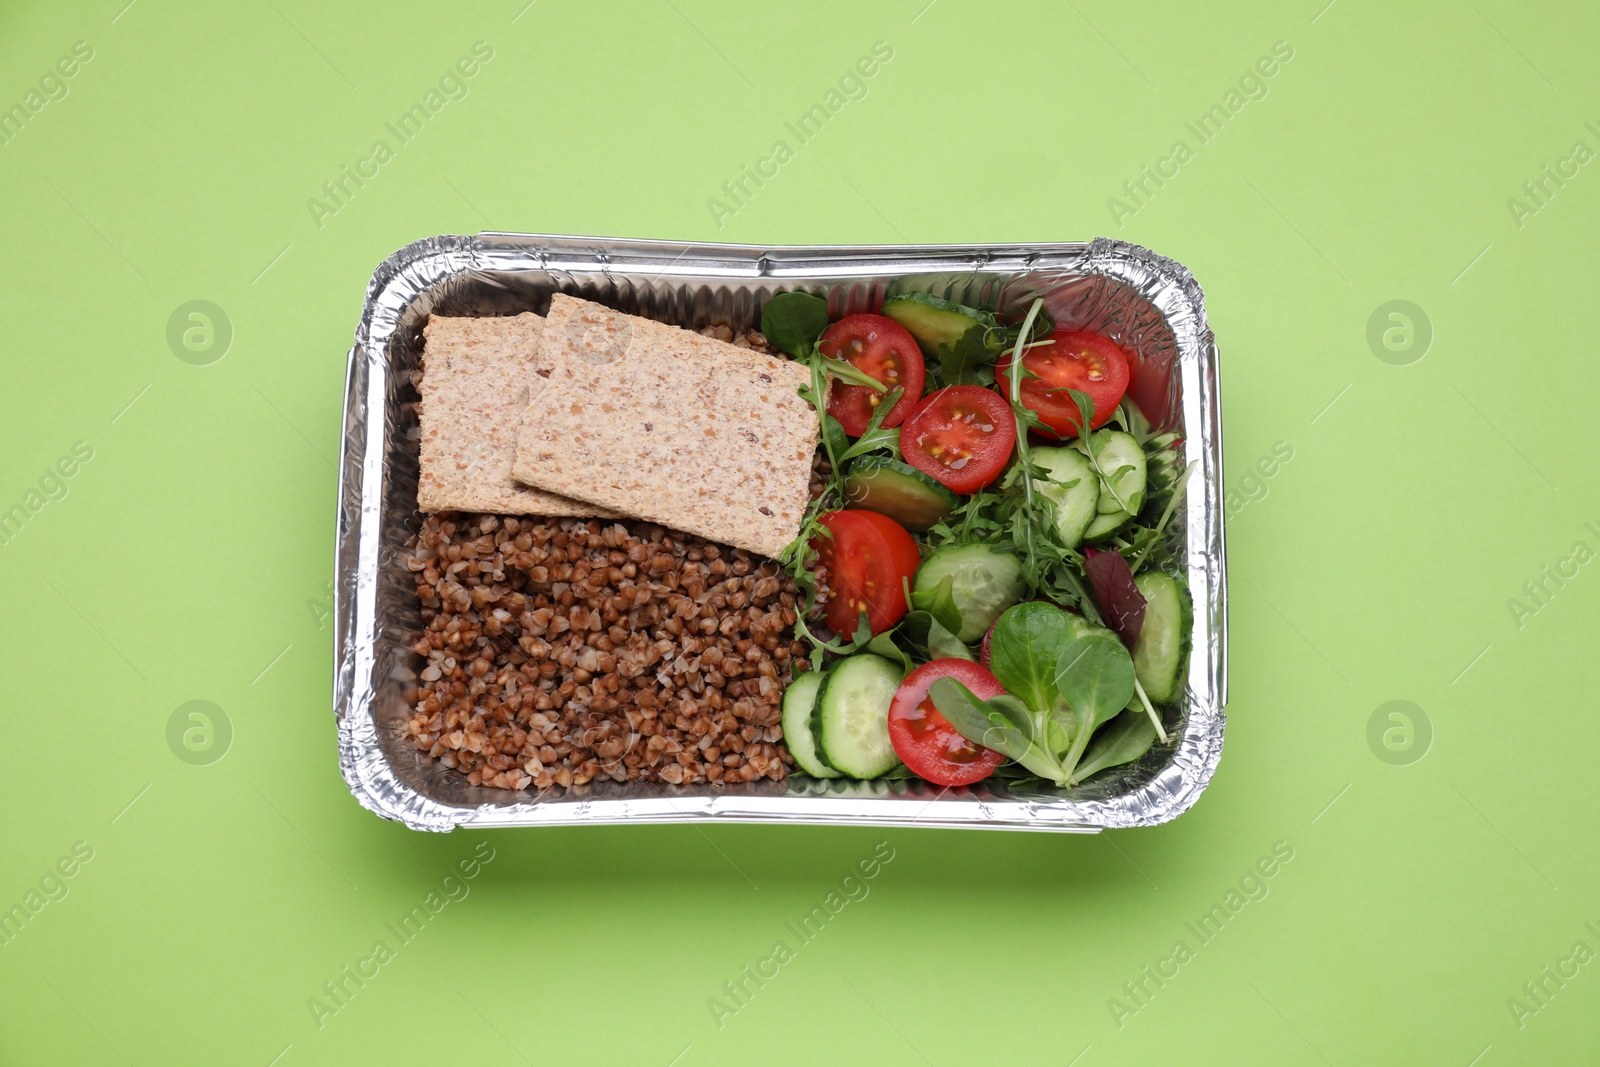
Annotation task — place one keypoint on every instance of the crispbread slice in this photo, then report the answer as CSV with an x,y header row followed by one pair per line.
x,y
475,383
664,424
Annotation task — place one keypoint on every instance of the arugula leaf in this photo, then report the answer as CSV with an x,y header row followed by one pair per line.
x,y
1091,445
1029,519
1043,326
940,602
875,437
1132,502
834,440
981,517
1129,736
879,413
875,441
1179,488
1085,404
793,321
796,560
849,372
863,633
970,360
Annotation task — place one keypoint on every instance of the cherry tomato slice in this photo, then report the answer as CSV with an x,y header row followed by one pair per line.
x,y
883,349
1078,360
866,566
1149,386
924,739
961,435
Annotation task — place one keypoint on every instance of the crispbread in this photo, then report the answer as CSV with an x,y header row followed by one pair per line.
x,y
670,426
475,383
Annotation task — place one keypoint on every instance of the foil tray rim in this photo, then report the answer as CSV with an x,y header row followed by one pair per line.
x,y
414,268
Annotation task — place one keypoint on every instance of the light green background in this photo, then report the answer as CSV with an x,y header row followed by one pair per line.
x,y
190,558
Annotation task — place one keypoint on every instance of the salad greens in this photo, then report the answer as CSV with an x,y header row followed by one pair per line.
x,y
939,601
1021,515
1073,703
970,360
972,584
1028,643
793,321
919,637
1064,679
960,342
1127,737
1095,676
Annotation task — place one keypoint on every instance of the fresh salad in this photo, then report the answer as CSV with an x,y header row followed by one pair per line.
x,y
991,587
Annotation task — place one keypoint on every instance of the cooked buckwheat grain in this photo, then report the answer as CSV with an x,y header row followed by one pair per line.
x,y
561,651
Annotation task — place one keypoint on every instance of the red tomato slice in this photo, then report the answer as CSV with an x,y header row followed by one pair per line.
x,y
1151,386
1078,360
961,435
883,349
866,565
925,741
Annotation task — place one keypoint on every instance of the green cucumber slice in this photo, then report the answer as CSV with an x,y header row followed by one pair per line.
x,y
960,343
983,583
935,322
1105,525
1073,487
908,496
799,702
853,713
1123,470
1159,653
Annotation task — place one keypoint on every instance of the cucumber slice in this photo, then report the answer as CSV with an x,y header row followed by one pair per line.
x,y
960,343
908,496
1159,653
1123,468
853,711
934,322
1072,486
984,583
1105,525
799,701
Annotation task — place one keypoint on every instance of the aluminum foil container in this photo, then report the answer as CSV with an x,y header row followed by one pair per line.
x,y
1148,303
